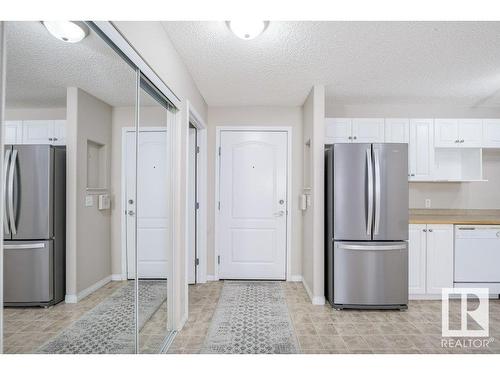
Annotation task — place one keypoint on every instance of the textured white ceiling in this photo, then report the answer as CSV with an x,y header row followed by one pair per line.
x,y
358,62
40,67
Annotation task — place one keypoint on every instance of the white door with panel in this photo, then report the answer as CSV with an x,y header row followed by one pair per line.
x,y
338,130
151,208
192,207
13,132
439,257
417,258
253,202
421,149
491,133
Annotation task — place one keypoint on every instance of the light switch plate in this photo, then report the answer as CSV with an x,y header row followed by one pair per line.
x,y
89,201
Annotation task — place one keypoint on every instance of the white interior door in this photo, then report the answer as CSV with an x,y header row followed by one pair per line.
x,y
151,208
253,205
192,207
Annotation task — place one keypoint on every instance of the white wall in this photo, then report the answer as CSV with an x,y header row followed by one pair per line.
x,y
88,255
443,195
313,218
258,116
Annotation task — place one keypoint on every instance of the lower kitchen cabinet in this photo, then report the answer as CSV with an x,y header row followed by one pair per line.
x,y
430,259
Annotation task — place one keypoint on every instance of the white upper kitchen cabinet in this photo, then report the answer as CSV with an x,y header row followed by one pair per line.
x,y
338,130
59,133
51,132
368,130
491,133
439,257
397,130
37,131
13,132
458,133
417,258
421,150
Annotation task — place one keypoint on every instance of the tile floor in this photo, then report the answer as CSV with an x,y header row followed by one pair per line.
x,y
26,329
320,329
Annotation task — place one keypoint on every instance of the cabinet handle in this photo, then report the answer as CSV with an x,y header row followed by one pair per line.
x,y
355,137
349,137
55,139
430,230
424,230
462,141
413,174
50,139
457,141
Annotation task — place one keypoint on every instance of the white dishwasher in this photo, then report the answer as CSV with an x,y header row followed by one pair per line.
x,y
477,256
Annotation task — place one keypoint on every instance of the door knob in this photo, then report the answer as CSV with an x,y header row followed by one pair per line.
x,y
130,201
281,201
131,213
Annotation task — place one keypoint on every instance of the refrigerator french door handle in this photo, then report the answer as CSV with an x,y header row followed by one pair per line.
x,y
6,226
12,169
377,191
369,219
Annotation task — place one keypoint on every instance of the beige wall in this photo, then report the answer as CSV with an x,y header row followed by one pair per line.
x,y
88,229
258,116
35,113
313,218
124,117
443,195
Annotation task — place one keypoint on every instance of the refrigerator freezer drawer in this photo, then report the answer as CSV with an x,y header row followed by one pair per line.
x,y
370,274
28,272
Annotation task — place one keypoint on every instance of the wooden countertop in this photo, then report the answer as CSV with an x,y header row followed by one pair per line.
x,y
465,219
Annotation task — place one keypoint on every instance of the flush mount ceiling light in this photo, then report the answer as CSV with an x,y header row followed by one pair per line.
x,y
247,29
67,31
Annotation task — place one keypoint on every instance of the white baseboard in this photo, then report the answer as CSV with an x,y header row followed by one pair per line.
x,y
295,278
211,278
315,300
118,277
72,298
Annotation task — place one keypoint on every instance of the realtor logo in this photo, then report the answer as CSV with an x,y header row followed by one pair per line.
x,y
474,320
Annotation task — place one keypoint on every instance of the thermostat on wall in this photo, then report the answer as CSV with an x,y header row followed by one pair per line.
x,y
104,202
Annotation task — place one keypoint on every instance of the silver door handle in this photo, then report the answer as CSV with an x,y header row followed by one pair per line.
x,y
279,213
12,169
6,227
369,219
25,246
461,141
131,213
377,192
373,247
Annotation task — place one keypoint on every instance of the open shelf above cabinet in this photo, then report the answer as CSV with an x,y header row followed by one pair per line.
x,y
458,164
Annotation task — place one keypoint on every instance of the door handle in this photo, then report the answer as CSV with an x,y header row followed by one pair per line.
x,y
12,169
131,213
279,213
25,246
6,227
369,219
373,247
377,192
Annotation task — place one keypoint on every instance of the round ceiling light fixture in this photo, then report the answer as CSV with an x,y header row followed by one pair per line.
x,y
246,29
67,31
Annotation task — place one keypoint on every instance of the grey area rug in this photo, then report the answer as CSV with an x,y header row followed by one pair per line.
x,y
251,318
110,326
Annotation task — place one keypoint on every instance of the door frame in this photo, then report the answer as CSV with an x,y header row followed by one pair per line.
x,y
262,128
123,216
201,194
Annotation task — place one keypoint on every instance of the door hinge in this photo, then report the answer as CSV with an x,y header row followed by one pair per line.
x,y
219,150
197,205
197,149
219,205
218,259
197,262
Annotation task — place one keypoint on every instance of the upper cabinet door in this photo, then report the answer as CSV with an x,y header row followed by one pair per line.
x,y
421,149
491,133
59,134
397,130
446,133
338,130
38,131
470,132
13,132
368,130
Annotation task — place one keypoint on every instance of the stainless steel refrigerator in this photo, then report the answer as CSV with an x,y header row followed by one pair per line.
x,y
34,224
367,225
